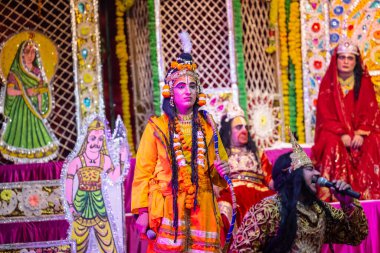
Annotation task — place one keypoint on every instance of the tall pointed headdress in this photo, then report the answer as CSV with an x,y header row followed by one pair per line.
x,y
298,156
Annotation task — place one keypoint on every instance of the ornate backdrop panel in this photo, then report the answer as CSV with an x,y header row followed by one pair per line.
x,y
54,22
263,99
324,24
141,69
206,22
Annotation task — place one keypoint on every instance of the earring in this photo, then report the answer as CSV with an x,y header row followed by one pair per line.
x,y
201,99
166,91
171,101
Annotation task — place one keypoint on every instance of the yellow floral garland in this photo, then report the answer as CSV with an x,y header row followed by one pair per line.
x,y
273,17
128,4
122,55
296,58
284,61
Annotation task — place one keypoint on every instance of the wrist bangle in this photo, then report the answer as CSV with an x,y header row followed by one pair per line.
x,y
70,204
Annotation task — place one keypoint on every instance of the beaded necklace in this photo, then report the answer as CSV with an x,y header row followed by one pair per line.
x,y
179,145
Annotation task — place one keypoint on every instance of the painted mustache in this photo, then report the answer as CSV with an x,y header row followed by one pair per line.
x,y
94,146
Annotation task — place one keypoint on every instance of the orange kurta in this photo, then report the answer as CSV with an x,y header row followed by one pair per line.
x,y
152,189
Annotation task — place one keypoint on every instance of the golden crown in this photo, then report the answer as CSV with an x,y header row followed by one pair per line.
x,y
298,156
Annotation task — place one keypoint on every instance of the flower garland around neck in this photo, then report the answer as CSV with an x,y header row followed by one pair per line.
x,y
179,145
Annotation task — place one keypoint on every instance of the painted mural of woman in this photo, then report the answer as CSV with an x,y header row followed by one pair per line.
x,y
26,135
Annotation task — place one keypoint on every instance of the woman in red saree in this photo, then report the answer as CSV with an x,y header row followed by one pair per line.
x,y
347,134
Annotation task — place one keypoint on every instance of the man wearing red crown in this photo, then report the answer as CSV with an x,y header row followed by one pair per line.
x,y
176,166
347,134
295,219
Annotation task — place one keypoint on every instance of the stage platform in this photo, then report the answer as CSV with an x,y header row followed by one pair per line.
x,y
53,230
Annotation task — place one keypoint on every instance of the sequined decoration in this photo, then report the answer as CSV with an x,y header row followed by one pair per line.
x,y
87,63
112,147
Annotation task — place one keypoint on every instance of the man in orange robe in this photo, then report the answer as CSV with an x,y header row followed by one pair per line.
x,y
177,164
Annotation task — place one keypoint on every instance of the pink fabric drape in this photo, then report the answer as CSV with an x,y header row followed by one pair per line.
x,y
134,243
30,172
33,231
22,232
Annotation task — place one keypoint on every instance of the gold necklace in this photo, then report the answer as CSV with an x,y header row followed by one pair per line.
x,y
185,123
347,85
185,118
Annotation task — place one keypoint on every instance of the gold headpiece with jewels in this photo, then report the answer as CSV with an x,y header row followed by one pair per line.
x,y
298,156
183,66
348,47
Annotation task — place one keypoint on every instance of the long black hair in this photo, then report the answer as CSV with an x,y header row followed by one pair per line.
x,y
172,114
225,134
358,73
290,186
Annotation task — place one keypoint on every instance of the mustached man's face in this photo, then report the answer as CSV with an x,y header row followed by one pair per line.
x,y
95,140
239,132
308,174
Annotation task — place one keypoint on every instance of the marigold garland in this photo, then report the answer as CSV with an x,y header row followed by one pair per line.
x,y
296,58
284,60
122,55
179,145
273,17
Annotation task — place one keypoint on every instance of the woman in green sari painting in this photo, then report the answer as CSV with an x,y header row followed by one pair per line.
x,y
26,135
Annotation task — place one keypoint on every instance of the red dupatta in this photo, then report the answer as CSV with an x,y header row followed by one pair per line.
x,y
331,113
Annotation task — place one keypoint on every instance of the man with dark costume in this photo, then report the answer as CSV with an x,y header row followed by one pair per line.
x,y
295,220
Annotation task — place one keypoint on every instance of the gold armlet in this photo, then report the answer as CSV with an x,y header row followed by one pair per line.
x,y
70,176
